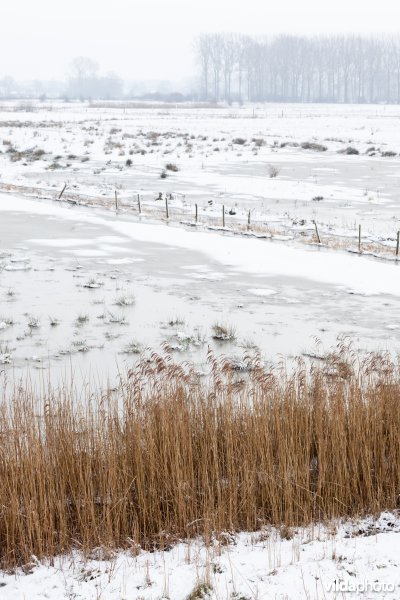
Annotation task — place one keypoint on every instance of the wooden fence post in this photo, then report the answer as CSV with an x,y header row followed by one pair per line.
x,y
62,191
316,231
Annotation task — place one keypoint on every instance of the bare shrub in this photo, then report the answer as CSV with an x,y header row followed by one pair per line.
x,y
239,141
172,167
273,171
314,146
349,151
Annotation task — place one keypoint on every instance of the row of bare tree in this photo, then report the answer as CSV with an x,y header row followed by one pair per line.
x,y
85,82
337,68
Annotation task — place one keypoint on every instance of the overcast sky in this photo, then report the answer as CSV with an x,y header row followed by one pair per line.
x,y
152,39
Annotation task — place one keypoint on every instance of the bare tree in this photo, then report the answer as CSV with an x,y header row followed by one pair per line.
x,y
230,52
202,47
216,49
7,86
85,82
340,68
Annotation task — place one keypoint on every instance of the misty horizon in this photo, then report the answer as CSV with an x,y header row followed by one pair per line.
x,y
234,67
145,41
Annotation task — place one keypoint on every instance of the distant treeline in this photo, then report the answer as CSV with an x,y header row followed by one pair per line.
x,y
86,82
288,68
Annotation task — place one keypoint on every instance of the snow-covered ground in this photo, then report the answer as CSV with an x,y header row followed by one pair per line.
x,y
346,561
83,289
256,159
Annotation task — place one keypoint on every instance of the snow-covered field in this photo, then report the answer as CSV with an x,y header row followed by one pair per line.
x,y
353,560
84,288
287,164
152,284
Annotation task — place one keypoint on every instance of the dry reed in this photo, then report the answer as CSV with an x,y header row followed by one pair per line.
x,y
172,455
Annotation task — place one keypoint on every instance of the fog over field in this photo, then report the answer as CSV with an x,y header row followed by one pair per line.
x,y
149,47
199,300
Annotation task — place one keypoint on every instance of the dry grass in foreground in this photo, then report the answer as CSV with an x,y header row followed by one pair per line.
x,y
173,455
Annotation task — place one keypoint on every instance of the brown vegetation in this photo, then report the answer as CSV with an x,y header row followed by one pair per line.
x,y
172,455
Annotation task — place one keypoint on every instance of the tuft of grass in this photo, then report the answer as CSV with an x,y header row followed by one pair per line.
x,y
285,532
314,146
223,333
5,357
124,300
201,590
172,167
118,319
80,346
273,171
81,319
249,344
349,151
133,347
176,321
93,284
33,322
6,322
258,142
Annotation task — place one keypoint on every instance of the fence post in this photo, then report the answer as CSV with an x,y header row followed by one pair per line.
x,y
116,200
197,212
248,219
316,231
166,208
62,191
223,215
359,238
398,243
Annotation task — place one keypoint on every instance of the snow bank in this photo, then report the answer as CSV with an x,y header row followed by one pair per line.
x,y
354,561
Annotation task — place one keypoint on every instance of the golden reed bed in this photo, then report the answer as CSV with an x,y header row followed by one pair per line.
x,y
172,454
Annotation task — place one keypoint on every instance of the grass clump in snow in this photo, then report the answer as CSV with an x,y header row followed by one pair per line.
x,y
125,300
81,320
175,321
93,284
223,333
349,151
33,322
201,590
172,167
133,347
314,146
273,171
